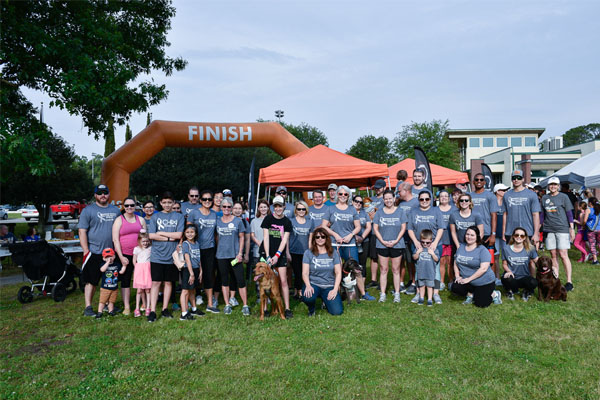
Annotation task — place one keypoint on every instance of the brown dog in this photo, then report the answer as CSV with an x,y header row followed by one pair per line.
x,y
268,283
549,286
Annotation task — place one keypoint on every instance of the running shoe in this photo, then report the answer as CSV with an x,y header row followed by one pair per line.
x,y
245,311
437,299
468,300
382,298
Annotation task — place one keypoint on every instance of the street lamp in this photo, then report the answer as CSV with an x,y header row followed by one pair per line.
x,y
279,115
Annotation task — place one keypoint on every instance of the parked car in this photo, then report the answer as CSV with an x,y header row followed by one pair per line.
x,y
68,208
3,213
30,212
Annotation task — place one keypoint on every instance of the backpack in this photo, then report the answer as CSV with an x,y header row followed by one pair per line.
x,y
592,221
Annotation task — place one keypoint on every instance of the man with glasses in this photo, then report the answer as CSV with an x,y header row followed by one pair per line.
x,y
485,204
289,208
522,209
193,202
318,209
95,235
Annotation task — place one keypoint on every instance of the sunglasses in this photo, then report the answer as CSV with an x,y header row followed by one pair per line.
x,y
343,194
281,192
300,209
517,178
194,195
479,180
464,201
225,206
102,194
425,199
206,199
426,242
129,205
320,237
176,208
358,201
519,235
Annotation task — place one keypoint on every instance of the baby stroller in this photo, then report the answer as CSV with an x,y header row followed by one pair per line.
x,y
48,269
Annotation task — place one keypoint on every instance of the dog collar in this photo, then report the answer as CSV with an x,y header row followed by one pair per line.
x,y
544,273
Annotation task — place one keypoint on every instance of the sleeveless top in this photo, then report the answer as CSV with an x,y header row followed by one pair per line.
x,y
128,235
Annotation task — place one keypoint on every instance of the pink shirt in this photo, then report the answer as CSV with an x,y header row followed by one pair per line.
x,y
128,235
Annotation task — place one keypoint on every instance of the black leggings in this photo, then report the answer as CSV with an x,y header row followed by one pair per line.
x,y
482,295
529,283
297,268
234,273
125,279
362,257
207,259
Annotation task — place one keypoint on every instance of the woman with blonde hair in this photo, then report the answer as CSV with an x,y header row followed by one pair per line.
x,y
518,260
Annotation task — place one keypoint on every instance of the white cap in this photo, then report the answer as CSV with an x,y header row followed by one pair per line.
x,y
279,200
554,179
500,186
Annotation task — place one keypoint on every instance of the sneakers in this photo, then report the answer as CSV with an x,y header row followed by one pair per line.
x,y
166,313
147,312
227,310
98,316
437,299
186,317
199,300
416,299
367,297
213,310
215,301
288,314
525,296
497,298
245,311
596,263
569,285
137,313
197,312
112,313
151,316
411,290
89,312
311,313
402,288
442,287
397,297
382,297
468,300
421,301
372,284
429,303
233,302
511,296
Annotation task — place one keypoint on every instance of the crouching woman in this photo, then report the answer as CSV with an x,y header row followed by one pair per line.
x,y
322,274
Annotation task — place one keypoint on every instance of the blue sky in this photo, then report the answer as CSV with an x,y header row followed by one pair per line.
x,y
356,68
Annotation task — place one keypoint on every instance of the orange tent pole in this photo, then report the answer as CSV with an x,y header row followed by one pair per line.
x,y
117,167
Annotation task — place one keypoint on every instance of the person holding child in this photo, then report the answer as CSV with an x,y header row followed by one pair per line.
x,y
426,258
191,273
110,271
142,279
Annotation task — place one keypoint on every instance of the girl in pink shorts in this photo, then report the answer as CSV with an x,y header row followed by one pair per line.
x,y
142,281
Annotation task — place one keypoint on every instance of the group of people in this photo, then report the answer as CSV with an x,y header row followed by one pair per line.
x,y
453,242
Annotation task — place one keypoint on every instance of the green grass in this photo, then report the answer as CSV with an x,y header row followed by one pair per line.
x,y
516,350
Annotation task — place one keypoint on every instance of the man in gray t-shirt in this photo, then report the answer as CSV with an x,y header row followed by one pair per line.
x,y
522,209
193,202
317,211
95,234
486,205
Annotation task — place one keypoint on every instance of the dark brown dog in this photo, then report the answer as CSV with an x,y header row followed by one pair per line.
x,y
549,286
268,283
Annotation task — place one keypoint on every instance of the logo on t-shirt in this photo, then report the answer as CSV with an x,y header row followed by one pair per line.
x,y
342,217
166,223
424,218
550,207
276,231
300,231
106,217
463,259
384,221
517,201
462,225
206,223
518,260
322,262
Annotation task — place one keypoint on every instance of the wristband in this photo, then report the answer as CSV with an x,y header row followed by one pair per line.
x,y
278,253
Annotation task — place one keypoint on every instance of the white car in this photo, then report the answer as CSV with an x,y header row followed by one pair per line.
x,y
3,213
30,212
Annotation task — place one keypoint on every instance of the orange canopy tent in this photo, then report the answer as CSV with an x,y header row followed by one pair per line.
x,y
316,168
441,175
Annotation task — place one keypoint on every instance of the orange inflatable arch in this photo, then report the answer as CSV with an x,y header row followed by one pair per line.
x,y
117,167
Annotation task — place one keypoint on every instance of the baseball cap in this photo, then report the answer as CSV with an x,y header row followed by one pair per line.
x,y
227,192
554,179
379,183
278,200
517,172
500,186
108,252
332,186
281,188
101,189
462,181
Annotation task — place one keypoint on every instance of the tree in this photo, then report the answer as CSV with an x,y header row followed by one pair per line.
x,y
128,133
109,137
431,137
581,134
89,56
375,149
309,135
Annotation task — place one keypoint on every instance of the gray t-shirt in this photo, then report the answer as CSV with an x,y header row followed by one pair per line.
x,y
255,227
321,268
377,202
468,263
485,203
363,217
342,221
518,262
288,212
462,223
520,207
555,213
98,222
229,239
406,206
415,191
162,252
425,265
446,218
419,219
389,226
193,249
187,207
206,227
299,235
317,214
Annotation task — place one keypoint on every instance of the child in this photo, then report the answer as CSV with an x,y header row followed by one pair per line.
x,y
191,274
426,258
110,282
142,281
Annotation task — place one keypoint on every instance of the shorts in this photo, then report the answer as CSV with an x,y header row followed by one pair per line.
x,y
125,278
391,253
185,277
446,250
425,282
560,241
281,262
108,296
164,272
90,270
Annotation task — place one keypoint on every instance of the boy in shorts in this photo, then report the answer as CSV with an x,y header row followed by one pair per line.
x,y
110,282
425,260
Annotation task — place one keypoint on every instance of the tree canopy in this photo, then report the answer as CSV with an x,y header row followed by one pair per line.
x,y
309,135
581,134
374,149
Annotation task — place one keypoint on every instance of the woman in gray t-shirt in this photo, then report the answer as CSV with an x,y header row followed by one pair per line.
x,y
518,258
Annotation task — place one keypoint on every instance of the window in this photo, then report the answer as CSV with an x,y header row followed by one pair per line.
x,y
530,141
516,141
488,142
474,142
502,142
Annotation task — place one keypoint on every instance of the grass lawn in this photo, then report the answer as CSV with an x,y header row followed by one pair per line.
x,y
514,351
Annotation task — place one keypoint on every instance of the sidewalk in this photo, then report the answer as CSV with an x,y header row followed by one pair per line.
x,y
11,280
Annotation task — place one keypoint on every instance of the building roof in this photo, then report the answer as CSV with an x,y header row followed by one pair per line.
x,y
458,133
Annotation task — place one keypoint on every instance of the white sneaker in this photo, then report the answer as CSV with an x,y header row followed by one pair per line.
x,y
199,300
497,297
382,298
437,299
442,286
415,299
397,297
233,302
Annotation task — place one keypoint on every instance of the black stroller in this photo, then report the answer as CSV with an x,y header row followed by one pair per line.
x,y
48,269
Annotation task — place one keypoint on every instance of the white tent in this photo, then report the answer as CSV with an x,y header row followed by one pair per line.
x,y
583,172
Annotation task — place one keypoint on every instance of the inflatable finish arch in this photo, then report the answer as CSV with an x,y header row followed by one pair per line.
x,y
117,168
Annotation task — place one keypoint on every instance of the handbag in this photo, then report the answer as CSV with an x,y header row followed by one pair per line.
x,y
178,258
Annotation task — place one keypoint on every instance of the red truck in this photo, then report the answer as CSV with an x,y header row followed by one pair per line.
x,y
67,208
